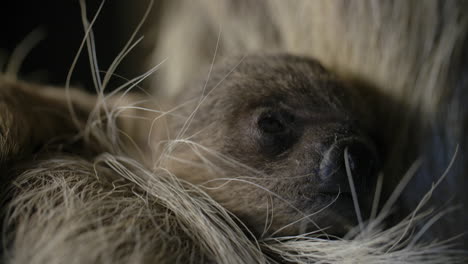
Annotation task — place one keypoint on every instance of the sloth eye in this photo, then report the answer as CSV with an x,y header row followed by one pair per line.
x,y
277,131
271,123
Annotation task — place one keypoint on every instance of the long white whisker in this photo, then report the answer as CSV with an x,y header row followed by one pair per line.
x,y
398,190
269,192
109,73
429,224
376,200
308,216
122,54
127,80
137,80
353,190
428,195
190,118
212,63
91,46
75,60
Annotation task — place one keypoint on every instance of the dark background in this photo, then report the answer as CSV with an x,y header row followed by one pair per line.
x,y
60,20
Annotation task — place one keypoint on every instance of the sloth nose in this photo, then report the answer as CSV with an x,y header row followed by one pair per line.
x,y
362,164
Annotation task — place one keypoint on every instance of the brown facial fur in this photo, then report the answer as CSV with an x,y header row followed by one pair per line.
x,y
277,175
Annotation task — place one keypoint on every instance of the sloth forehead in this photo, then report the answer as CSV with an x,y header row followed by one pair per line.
x,y
272,80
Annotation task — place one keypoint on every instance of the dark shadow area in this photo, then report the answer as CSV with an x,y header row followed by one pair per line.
x,y
60,21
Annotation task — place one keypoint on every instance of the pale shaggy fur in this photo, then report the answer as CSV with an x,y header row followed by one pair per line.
x,y
113,208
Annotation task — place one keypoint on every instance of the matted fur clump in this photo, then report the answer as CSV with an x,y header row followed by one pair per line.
x,y
114,210
111,203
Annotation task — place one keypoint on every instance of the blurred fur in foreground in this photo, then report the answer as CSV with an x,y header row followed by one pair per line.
x,y
108,204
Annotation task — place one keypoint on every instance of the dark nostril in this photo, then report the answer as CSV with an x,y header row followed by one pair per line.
x,y
362,162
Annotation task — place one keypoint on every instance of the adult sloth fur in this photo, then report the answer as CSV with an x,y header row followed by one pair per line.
x,y
95,199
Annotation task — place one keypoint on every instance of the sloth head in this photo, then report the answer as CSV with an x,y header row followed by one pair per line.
x,y
267,135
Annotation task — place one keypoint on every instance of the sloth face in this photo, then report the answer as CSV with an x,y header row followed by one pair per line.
x,y
269,139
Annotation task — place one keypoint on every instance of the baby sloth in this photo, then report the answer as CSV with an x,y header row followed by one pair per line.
x,y
267,136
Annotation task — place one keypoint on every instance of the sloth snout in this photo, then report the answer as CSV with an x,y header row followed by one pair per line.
x,y
362,164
